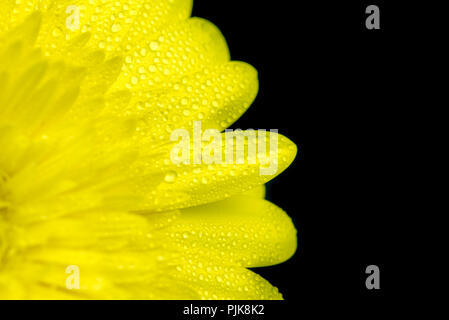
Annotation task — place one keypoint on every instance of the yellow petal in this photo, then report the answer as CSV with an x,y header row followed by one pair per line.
x,y
187,185
164,58
225,283
217,96
243,231
115,26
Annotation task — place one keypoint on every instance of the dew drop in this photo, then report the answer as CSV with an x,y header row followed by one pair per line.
x,y
154,45
170,177
116,27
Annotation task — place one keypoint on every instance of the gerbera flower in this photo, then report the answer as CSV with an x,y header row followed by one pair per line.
x,y
90,91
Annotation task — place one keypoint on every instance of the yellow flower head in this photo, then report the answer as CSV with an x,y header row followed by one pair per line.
x,y
91,204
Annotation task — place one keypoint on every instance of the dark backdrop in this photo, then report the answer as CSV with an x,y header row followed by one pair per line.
x,y
331,86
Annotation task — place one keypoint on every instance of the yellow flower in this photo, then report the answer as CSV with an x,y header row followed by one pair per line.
x,y
90,91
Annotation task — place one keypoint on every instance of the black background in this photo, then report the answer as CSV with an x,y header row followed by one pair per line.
x,y
332,87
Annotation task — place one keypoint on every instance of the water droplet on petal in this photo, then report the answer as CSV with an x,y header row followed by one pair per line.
x,y
116,27
154,45
170,177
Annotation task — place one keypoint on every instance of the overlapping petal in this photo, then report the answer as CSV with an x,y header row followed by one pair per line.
x,y
242,231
